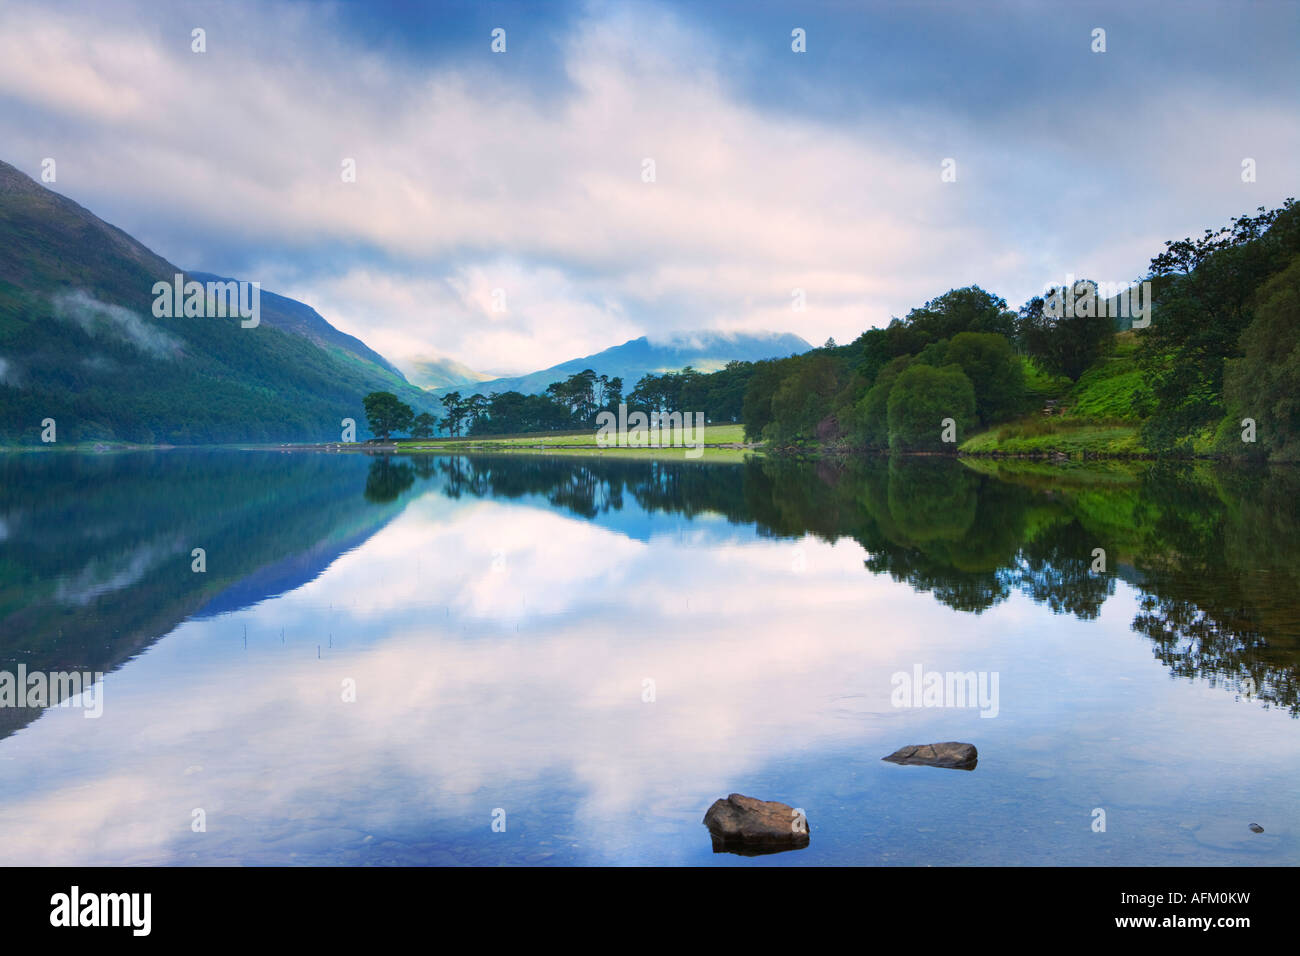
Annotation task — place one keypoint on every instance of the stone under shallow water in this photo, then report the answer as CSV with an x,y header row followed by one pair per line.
x,y
950,754
744,825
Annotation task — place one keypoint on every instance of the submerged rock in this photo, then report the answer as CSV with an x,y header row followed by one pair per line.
x,y
741,824
1235,835
952,755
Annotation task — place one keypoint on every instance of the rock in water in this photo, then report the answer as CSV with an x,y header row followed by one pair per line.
x,y
951,754
741,824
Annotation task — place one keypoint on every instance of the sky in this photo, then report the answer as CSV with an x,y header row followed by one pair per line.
x,y
524,172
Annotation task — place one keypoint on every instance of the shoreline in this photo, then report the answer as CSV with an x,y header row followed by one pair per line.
x,y
457,446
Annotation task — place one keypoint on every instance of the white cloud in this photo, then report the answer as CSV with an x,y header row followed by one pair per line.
x,y
100,318
469,180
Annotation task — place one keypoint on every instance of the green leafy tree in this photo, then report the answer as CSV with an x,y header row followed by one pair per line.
x,y
613,392
919,402
1264,384
994,370
756,409
658,393
962,310
453,412
425,425
508,413
1064,344
802,408
1204,302
871,413
476,409
387,413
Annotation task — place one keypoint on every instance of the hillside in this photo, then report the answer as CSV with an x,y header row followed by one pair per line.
x,y
703,351
431,371
290,315
1097,415
79,344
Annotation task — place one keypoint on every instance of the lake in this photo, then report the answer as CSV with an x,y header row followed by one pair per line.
x,y
528,659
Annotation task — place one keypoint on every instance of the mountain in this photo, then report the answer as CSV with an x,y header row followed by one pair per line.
x,y
703,351
430,371
293,316
79,343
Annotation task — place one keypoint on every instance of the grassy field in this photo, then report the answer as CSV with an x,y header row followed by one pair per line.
x,y
1097,415
717,439
712,455
1048,436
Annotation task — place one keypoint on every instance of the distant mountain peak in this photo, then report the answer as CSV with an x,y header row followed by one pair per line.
x,y
704,350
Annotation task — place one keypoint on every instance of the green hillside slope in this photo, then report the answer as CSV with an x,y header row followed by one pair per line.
x,y
79,344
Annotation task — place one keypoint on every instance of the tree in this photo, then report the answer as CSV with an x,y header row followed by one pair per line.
x,y
1264,384
582,387
614,392
453,409
582,394
1204,302
657,393
994,370
475,407
871,413
725,391
387,414
803,405
1067,344
962,310
514,412
756,409
920,401
425,425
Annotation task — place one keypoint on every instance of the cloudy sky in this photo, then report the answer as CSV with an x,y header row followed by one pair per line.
x,y
774,170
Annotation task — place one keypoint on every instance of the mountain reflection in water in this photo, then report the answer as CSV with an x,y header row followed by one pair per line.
x,y
500,615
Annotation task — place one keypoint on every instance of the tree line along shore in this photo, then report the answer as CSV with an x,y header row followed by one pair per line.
x,y
1212,371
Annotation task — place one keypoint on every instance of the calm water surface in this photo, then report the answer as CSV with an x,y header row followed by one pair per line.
x,y
503,620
